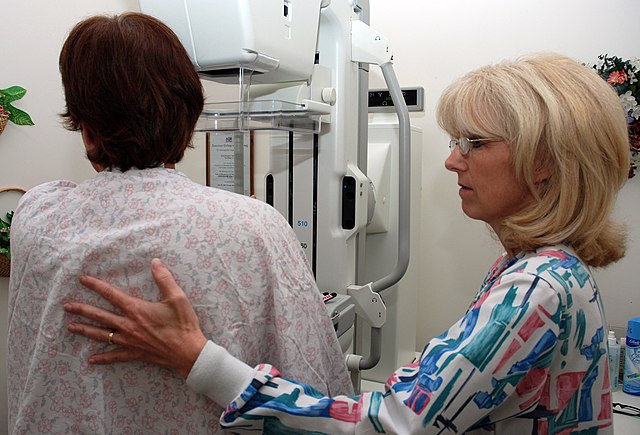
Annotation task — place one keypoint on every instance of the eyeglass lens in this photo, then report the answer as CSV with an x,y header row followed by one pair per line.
x,y
462,143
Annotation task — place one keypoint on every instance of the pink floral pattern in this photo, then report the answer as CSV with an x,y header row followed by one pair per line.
x,y
236,257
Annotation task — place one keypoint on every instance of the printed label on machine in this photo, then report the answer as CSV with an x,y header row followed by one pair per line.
x,y
229,161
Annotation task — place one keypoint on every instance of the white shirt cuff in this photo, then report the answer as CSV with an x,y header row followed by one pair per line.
x,y
219,375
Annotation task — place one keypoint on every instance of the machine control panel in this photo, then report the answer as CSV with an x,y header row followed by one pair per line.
x,y
380,100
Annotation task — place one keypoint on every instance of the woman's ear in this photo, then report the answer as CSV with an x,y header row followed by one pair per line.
x,y
542,174
87,138
89,146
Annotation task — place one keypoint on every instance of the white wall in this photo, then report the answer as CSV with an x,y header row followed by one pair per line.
x,y
434,42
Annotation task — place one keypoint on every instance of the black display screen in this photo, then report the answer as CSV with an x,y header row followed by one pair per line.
x,y
382,98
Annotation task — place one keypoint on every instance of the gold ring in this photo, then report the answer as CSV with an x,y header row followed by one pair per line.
x,y
111,336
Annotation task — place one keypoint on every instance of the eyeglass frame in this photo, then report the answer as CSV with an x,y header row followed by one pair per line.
x,y
465,144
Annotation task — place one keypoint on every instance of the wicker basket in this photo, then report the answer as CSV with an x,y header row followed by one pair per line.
x,y
4,118
5,263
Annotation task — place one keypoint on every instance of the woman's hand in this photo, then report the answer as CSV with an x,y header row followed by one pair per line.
x,y
165,333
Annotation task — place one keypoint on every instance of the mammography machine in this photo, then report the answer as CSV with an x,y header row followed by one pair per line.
x,y
296,136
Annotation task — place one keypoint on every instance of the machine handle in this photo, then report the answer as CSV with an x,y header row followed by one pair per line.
x,y
404,181
404,221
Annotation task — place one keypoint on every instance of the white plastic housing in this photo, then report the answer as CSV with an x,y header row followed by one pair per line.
x,y
275,38
368,46
378,171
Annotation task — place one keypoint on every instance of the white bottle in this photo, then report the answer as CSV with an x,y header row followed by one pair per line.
x,y
614,360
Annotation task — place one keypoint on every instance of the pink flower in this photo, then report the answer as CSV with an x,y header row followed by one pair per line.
x,y
617,77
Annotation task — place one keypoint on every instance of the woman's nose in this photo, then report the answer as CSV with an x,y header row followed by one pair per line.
x,y
456,161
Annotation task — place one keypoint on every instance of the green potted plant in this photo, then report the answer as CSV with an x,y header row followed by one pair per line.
x,y
5,246
5,234
10,113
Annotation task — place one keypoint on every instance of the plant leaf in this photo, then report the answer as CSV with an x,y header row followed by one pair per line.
x,y
17,116
12,94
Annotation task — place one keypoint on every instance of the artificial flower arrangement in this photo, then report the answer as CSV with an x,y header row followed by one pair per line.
x,y
10,113
624,76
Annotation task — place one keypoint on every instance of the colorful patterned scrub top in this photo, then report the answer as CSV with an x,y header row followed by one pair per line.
x,y
528,357
238,260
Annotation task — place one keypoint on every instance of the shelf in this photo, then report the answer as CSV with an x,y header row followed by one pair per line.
x,y
259,115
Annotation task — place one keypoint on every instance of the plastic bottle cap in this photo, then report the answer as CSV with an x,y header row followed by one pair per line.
x,y
633,328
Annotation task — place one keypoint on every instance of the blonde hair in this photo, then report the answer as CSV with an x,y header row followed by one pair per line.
x,y
562,120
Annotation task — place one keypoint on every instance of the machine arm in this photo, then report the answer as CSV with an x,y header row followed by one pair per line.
x,y
373,48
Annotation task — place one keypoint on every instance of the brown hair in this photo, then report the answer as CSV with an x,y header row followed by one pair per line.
x,y
560,117
130,84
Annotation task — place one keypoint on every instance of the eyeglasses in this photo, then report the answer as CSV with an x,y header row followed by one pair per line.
x,y
465,144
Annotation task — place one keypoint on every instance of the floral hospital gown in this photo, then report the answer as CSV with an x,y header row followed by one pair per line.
x,y
528,357
238,260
